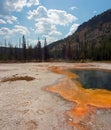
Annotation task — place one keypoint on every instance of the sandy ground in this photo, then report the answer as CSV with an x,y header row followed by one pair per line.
x,y
24,105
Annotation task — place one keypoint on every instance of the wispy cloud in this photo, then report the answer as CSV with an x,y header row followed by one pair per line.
x,y
15,5
6,32
20,29
10,19
32,2
2,21
8,6
73,8
72,29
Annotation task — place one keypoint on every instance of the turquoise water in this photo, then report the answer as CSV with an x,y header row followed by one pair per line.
x,y
94,79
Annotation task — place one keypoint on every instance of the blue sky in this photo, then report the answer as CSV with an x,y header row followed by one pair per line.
x,y
48,19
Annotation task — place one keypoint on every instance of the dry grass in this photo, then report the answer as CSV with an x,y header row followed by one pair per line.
x,y
27,78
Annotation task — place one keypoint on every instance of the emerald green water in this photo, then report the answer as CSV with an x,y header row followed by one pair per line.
x,y
94,79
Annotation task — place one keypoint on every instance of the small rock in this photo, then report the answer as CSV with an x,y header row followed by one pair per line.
x,y
70,119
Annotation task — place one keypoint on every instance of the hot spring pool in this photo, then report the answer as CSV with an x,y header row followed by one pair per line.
x,y
94,79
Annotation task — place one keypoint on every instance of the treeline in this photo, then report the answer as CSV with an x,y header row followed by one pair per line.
x,y
24,53
82,50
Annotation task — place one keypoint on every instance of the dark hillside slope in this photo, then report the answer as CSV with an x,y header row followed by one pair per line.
x,y
92,40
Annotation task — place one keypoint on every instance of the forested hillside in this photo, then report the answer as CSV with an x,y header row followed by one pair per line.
x,y
92,40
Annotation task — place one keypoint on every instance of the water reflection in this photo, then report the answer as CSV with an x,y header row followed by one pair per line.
x,y
95,79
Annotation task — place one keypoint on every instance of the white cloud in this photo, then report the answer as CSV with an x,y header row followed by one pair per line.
x,y
6,32
50,39
32,2
9,19
57,17
55,33
15,5
2,21
40,12
60,17
47,21
47,30
44,26
72,29
73,8
20,29
8,6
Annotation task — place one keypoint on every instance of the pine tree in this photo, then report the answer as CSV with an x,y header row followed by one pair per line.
x,y
5,55
15,53
68,52
46,51
30,53
64,52
10,52
24,48
39,51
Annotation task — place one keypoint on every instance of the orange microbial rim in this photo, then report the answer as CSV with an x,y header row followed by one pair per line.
x,y
87,100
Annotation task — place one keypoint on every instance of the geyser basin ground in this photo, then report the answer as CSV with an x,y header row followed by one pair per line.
x,y
24,105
